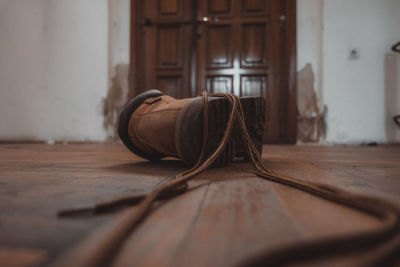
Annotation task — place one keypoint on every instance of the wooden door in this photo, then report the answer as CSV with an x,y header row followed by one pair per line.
x,y
235,52
245,47
164,36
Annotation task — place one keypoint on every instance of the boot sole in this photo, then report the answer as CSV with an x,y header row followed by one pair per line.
x,y
189,129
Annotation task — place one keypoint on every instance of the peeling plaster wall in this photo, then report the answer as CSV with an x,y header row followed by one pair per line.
x,y
311,116
309,39
53,69
118,59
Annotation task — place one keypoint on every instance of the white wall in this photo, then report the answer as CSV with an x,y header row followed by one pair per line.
x,y
353,90
21,68
119,26
53,69
309,39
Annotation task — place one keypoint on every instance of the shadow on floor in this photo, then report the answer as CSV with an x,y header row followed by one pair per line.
x,y
159,168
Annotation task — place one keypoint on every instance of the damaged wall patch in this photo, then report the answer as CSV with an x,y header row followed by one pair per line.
x,y
311,124
117,97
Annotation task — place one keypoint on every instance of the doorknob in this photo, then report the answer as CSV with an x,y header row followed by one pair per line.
x,y
208,19
282,20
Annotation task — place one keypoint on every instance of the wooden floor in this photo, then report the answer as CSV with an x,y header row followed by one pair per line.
x,y
228,215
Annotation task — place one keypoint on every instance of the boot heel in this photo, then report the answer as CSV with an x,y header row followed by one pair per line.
x,y
189,131
254,116
219,111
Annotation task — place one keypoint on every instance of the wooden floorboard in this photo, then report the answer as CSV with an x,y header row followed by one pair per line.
x,y
228,215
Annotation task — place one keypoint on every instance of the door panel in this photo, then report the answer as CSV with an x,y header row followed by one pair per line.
x,y
219,84
219,49
167,46
254,7
169,84
218,8
169,8
253,45
236,53
253,85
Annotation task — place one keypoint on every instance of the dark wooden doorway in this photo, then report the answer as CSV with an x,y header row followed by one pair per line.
x,y
245,47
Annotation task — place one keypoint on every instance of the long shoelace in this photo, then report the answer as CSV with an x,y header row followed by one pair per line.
x,y
100,249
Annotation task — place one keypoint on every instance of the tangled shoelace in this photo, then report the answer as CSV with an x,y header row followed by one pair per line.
x,y
99,251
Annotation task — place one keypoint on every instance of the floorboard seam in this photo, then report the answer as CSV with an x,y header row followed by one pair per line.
x,y
181,246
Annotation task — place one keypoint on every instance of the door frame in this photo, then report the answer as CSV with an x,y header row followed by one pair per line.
x,y
288,83
286,66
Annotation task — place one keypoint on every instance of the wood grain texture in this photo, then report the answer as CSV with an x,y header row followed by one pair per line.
x,y
20,257
229,213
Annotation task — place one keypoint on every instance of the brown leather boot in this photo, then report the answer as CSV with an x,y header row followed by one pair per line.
x,y
154,126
